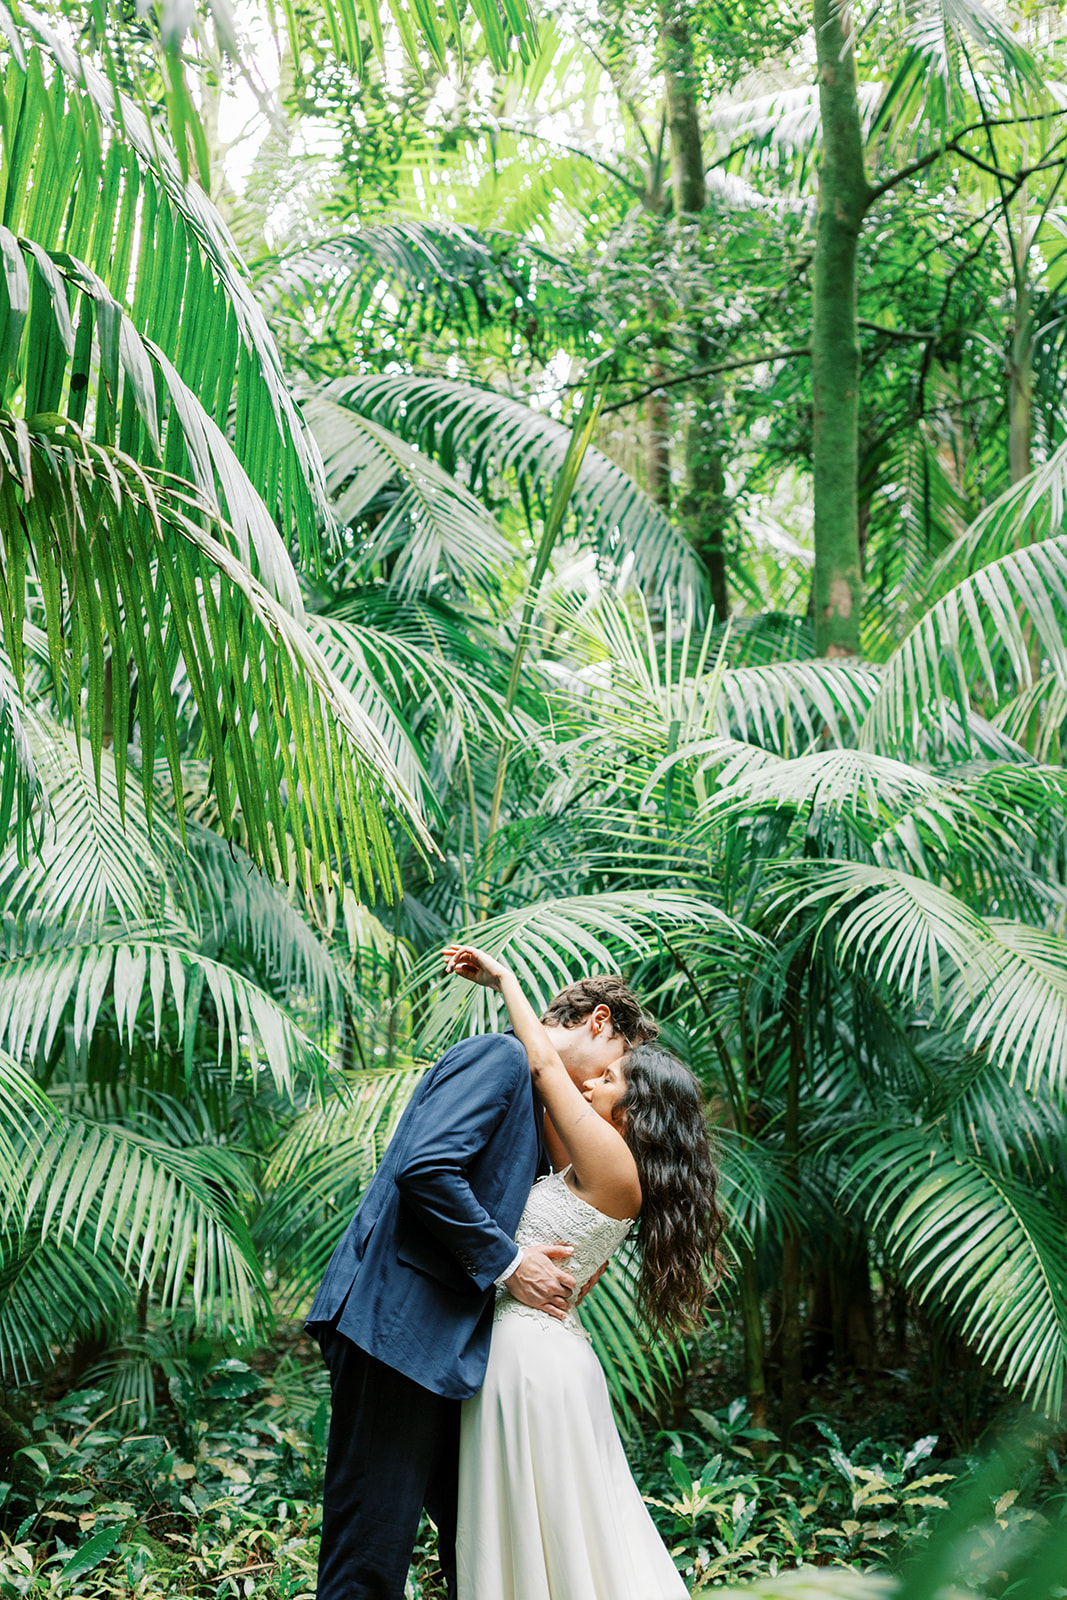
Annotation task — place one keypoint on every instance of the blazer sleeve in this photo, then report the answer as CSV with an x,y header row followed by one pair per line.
x,y
471,1090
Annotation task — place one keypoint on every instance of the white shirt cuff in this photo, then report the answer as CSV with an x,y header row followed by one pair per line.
x,y
508,1271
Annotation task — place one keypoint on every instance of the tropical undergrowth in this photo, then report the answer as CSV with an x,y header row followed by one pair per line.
x,y
215,1493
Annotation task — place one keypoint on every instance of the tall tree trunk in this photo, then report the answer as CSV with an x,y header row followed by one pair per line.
x,y
791,1330
1021,383
843,197
688,187
658,444
704,508
752,1332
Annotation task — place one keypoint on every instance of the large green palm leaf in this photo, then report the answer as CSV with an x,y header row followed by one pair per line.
x,y
167,1217
496,435
52,1291
427,525
21,808
96,862
116,201
319,1170
551,943
951,55
439,274
266,700
48,981
1005,980
977,640
138,578
986,1246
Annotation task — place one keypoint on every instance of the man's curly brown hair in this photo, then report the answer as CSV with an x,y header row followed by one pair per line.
x,y
629,1018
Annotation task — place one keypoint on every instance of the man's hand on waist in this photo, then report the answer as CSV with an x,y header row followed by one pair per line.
x,y
540,1281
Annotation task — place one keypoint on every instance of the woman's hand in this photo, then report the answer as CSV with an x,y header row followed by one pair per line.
x,y
474,965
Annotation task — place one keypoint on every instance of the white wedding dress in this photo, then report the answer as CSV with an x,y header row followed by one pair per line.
x,y
548,1508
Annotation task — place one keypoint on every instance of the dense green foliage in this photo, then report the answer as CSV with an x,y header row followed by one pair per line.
x,y
594,479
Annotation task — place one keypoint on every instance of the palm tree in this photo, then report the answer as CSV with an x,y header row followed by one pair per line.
x,y
145,982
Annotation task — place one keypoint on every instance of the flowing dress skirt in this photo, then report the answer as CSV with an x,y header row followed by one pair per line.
x,y
548,1508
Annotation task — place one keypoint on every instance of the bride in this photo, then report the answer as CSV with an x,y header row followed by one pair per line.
x,y
548,1509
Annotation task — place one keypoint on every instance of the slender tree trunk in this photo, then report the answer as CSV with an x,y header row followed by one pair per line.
x,y
843,197
704,508
1021,369
752,1331
791,1331
658,444
1021,412
683,119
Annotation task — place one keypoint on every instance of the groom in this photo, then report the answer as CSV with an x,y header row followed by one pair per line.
x,y
404,1312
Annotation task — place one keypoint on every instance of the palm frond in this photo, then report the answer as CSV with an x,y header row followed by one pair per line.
x,y
113,186
169,1217
552,942
1007,981
1028,512
987,1248
498,436
794,704
640,1373
23,804
440,275
687,694
431,523
319,1170
48,980
978,640
950,56
52,1291
140,579
240,905
97,861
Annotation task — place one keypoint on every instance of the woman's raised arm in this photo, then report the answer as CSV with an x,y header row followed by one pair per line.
x,y
605,1172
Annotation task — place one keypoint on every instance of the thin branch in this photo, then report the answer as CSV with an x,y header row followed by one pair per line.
x,y
708,372
898,333
922,162
520,131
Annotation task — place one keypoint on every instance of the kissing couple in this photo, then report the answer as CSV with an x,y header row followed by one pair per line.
x,y
461,1378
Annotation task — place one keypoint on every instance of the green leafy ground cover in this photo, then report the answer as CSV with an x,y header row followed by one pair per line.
x,y
217,1493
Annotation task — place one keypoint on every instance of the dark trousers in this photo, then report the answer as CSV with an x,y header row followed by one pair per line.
x,y
394,1448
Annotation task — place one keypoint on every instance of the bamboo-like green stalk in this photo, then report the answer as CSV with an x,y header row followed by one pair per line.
x,y
572,464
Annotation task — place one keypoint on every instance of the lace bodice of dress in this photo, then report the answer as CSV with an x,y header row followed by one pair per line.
x,y
554,1214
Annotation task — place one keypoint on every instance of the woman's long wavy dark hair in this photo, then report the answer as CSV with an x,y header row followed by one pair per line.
x,y
661,1116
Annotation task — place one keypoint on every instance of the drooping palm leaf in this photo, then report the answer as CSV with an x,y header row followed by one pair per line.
x,y
1006,981
95,861
983,1245
51,1291
164,1215
149,582
553,942
692,694
239,905
319,1170
23,805
439,275
496,435
976,641
951,55
48,980
431,523
114,188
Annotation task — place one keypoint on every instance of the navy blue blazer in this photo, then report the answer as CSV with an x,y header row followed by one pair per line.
x,y
411,1280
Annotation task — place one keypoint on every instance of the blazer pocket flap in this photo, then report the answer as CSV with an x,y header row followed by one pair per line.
x,y
427,1255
